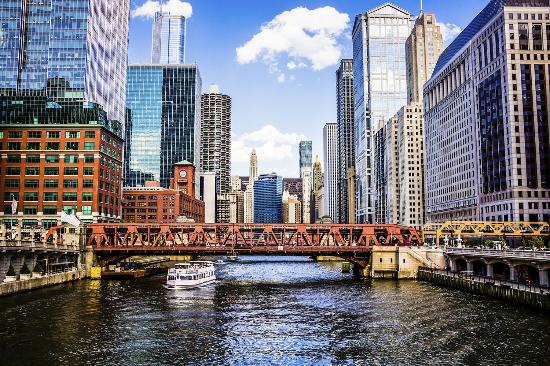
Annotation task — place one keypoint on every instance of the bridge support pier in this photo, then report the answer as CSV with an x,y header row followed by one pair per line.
x,y
513,274
489,270
543,277
452,265
469,266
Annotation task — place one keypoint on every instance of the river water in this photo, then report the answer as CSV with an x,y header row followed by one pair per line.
x,y
268,311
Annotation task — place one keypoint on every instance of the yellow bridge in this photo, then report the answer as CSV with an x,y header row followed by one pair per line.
x,y
484,228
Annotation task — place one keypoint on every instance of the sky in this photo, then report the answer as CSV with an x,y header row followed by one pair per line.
x,y
277,60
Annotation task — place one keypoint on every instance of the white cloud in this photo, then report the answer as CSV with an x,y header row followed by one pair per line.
x,y
449,32
174,7
276,150
281,78
300,34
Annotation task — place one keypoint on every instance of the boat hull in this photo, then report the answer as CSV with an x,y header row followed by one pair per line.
x,y
180,286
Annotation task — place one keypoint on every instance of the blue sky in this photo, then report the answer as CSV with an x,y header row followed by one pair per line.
x,y
281,80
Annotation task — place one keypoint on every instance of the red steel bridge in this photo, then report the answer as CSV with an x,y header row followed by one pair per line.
x,y
347,241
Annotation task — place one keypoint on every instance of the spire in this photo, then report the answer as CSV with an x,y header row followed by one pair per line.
x,y
421,7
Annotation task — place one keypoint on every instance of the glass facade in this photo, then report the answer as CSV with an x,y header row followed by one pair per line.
x,y
268,199
305,152
380,89
163,105
66,49
169,32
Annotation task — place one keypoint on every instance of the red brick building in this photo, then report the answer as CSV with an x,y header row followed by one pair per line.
x,y
154,204
67,159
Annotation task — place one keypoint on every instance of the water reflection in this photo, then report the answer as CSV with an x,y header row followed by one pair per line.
x,y
268,313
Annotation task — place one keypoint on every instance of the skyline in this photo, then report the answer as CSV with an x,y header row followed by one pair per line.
x,y
295,113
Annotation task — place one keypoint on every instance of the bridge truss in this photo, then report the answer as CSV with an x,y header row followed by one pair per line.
x,y
247,238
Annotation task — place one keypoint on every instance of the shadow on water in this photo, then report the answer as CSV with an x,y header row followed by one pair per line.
x,y
272,312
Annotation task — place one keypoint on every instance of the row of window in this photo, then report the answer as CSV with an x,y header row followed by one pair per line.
x,y
48,196
68,170
49,210
48,183
71,145
49,159
49,134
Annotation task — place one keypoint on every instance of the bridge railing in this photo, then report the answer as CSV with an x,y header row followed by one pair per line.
x,y
503,253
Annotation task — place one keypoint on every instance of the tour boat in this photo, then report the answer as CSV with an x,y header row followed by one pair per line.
x,y
190,275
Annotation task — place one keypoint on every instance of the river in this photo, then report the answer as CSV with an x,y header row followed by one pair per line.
x,y
268,311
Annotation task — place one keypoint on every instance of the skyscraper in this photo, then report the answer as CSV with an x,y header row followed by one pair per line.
x,y
249,192
424,45
216,145
486,118
345,137
379,75
169,33
253,168
305,153
318,180
330,151
66,50
268,199
164,104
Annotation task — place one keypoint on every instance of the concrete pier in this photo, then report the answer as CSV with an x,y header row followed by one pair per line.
x,y
10,288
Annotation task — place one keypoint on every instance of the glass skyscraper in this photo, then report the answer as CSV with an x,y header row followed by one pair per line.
x,y
305,151
169,32
163,104
268,199
66,49
380,84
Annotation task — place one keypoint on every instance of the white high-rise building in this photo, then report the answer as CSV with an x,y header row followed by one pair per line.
x,y
330,147
249,193
169,33
253,169
306,173
380,89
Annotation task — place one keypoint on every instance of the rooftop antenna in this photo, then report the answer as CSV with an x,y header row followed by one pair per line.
x,y
421,8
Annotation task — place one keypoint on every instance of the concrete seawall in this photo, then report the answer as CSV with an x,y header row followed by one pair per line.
x,y
10,288
514,295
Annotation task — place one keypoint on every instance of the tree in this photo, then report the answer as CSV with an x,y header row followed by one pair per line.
x,y
25,269
11,271
534,242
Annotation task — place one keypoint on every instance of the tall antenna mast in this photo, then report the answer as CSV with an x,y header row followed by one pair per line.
x,y
421,8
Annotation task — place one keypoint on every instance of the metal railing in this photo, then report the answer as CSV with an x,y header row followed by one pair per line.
x,y
504,253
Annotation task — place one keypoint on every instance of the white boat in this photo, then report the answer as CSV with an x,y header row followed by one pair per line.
x,y
190,275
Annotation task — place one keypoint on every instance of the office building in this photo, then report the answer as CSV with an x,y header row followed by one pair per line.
x,y
330,152
249,203
155,204
318,177
306,174
424,45
253,168
292,209
66,50
379,38
216,145
208,194
268,199
486,118
169,34
293,186
345,138
58,156
164,118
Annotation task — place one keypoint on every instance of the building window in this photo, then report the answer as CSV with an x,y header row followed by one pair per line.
x,y
12,183
33,159
89,146
71,146
52,158
52,134
71,183
52,145
88,184
51,183
32,171
50,196
49,210
89,134
14,158
70,170
9,196
32,183
88,170
69,209
69,196
51,171
29,210
15,134
14,146
72,134
87,196
34,134
86,210
31,196
88,158
71,159
33,145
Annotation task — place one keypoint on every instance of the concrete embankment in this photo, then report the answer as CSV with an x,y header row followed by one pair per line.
x,y
10,288
518,296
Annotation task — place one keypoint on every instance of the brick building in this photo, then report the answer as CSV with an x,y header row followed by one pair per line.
x,y
155,204
58,156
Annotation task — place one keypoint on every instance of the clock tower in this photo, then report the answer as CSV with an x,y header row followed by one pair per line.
x,y
184,177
